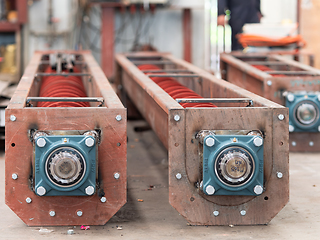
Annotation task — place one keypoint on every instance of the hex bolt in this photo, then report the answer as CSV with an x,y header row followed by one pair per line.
x,y
89,142
52,213
79,213
28,200
293,143
258,189
210,190
311,144
269,82
103,199
216,213
118,118
116,175
178,176
89,190
41,142
14,176
209,141
41,191
280,117
176,118
279,175
257,141
243,212
290,97
13,118
291,128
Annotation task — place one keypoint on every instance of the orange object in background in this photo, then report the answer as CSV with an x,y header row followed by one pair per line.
x,y
247,40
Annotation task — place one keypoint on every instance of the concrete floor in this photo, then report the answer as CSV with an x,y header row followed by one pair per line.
x,y
154,218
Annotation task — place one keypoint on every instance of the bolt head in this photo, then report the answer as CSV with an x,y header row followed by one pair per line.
x,y
210,141
52,213
178,176
41,191
280,117
293,143
279,175
41,142
103,199
290,97
79,213
243,212
269,82
28,200
89,190
210,190
258,189
14,176
118,118
89,142
311,144
13,118
216,213
291,128
257,141
176,118
116,175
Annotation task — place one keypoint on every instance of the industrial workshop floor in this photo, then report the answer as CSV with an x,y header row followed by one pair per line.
x,y
154,218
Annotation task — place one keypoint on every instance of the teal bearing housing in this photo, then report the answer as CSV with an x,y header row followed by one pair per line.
x,y
232,165
303,112
65,165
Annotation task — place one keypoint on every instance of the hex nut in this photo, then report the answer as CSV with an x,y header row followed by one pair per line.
x,y
118,118
41,191
14,176
178,176
89,190
79,213
89,142
210,190
291,128
13,118
216,213
103,199
279,175
210,141
28,200
41,142
116,175
280,117
257,141
290,97
258,189
243,212
176,118
52,213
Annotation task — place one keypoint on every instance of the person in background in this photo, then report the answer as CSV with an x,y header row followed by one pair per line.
x,y
242,12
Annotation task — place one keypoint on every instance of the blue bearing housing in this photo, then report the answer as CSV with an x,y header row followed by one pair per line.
x,y
232,165
303,112
65,165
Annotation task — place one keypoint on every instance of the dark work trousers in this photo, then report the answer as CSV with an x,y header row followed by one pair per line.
x,y
242,12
